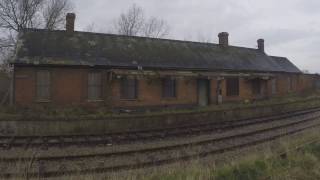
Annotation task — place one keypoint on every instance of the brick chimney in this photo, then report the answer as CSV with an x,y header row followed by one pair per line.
x,y
224,39
70,19
261,45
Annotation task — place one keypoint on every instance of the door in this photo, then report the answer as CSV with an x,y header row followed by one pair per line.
x,y
203,92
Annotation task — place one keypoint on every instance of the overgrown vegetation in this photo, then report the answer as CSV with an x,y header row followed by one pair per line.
x,y
298,165
303,164
94,112
257,163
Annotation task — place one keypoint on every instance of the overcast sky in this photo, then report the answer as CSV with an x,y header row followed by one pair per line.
x,y
291,28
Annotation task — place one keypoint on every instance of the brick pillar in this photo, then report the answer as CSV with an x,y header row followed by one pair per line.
x,y
224,39
261,45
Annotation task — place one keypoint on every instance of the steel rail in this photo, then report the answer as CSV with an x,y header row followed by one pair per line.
x,y
151,135
156,163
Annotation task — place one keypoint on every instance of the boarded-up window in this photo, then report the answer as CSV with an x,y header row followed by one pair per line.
x,y
168,88
43,85
94,86
274,86
129,88
232,86
256,87
290,84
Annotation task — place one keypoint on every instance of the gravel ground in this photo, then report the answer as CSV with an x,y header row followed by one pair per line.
x,y
152,156
84,150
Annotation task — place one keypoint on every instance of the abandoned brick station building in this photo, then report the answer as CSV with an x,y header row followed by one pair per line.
x,y
81,68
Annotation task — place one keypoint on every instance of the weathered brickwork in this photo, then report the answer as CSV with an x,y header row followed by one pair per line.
x,y
24,83
150,94
69,86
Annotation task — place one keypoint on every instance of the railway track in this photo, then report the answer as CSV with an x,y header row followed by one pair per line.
x,y
46,142
150,157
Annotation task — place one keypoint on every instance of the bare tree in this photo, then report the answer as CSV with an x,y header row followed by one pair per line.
x,y
54,13
134,23
90,28
204,38
131,22
18,15
156,28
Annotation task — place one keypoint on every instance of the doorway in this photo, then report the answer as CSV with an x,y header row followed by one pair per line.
x,y
203,92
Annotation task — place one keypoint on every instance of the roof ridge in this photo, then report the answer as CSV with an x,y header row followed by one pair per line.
x,y
279,57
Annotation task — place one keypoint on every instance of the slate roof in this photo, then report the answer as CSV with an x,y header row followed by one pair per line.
x,y
42,47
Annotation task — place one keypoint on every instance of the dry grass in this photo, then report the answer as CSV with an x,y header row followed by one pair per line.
x,y
258,162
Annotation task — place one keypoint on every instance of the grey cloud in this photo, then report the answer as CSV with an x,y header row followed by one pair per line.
x,y
290,27
309,7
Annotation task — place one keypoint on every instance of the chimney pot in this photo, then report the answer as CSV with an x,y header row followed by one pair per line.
x,y
224,39
70,20
261,45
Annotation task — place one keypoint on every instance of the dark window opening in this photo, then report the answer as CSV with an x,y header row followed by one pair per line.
x,y
290,84
94,86
274,86
169,88
232,86
43,85
129,88
256,87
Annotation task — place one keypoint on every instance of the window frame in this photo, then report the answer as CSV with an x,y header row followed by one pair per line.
x,y
290,83
125,87
274,86
236,91
256,86
169,88
40,87
93,85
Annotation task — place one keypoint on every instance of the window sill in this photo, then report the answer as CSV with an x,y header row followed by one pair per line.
x,y
233,96
43,101
129,99
93,101
169,98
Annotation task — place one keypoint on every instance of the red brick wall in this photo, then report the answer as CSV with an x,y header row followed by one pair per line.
x,y
244,91
150,93
24,85
69,87
306,82
283,86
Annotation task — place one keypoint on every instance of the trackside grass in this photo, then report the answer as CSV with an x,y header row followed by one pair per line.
x,y
261,162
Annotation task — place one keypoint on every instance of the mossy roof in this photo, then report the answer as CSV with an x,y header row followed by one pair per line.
x,y
42,47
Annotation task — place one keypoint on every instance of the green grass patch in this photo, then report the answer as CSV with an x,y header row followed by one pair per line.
x,y
304,165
